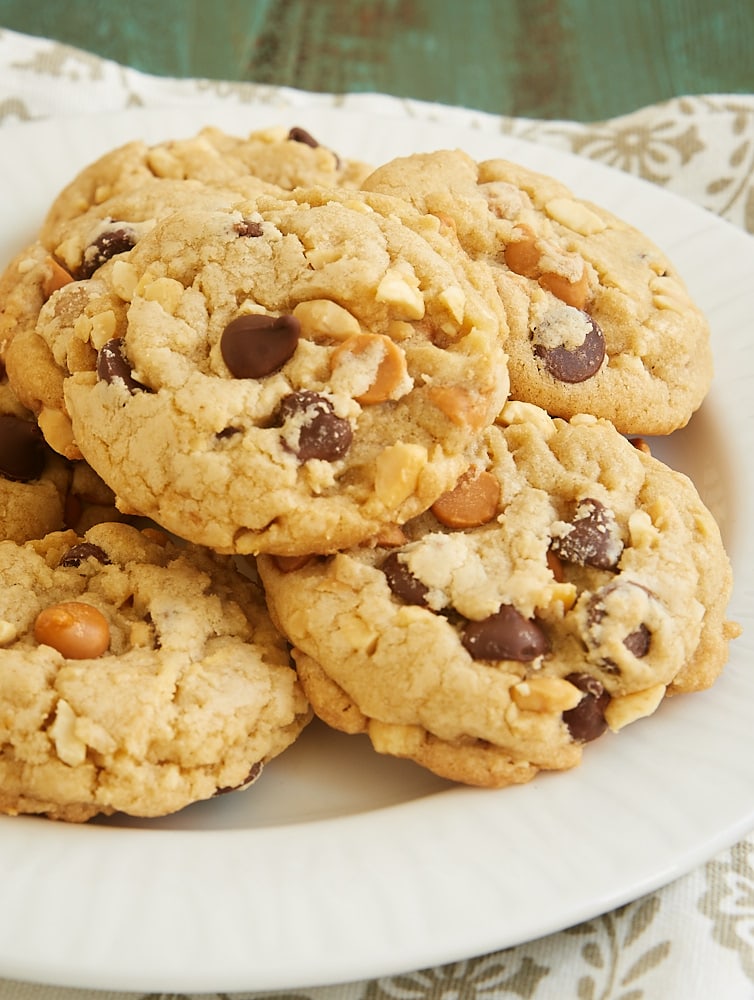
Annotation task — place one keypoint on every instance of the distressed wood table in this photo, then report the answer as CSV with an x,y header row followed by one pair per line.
x,y
578,59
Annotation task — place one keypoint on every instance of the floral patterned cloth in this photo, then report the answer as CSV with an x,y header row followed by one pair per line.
x,y
694,939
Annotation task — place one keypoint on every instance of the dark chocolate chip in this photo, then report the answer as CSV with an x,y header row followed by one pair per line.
x,y
108,244
228,432
84,550
592,539
587,720
23,452
506,635
402,582
247,227
255,345
322,434
301,135
575,365
112,366
637,643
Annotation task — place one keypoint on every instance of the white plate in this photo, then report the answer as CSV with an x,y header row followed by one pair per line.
x,y
342,865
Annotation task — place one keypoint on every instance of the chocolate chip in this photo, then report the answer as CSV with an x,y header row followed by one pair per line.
x,y
254,773
321,434
84,550
402,582
506,635
227,432
637,643
592,539
247,227
112,366
575,365
255,345
23,452
587,720
301,135
108,244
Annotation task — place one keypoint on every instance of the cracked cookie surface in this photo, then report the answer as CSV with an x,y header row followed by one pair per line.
x,y
564,587
600,320
135,676
284,157
289,376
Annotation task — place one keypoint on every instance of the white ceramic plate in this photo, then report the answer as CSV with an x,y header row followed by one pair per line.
x,y
342,865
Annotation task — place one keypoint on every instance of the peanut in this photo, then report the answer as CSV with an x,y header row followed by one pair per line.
x,y
77,630
629,707
322,318
390,536
399,287
397,471
472,502
56,277
545,694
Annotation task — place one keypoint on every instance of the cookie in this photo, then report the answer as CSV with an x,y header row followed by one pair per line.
x,y
135,676
600,320
293,375
283,157
34,481
563,588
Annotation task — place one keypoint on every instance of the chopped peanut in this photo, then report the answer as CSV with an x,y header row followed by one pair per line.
x,y
322,318
546,694
56,277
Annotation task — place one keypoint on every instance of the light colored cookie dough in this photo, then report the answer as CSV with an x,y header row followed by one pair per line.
x,y
600,320
563,588
290,376
135,676
286,157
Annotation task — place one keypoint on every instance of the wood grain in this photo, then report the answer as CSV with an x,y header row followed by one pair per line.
x,y
581,59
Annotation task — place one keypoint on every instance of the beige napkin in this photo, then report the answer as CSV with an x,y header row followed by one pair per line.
x,y
693,939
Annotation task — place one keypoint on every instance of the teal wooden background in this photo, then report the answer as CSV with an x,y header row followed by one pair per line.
x,y
581,59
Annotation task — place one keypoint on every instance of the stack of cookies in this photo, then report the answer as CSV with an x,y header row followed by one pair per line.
x,y
285,434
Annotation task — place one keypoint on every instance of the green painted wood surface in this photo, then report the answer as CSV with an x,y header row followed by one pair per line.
x,y
581,59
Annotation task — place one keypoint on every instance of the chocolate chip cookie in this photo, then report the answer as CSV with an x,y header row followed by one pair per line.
x,y
600,320
135,676
564,587
292,375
